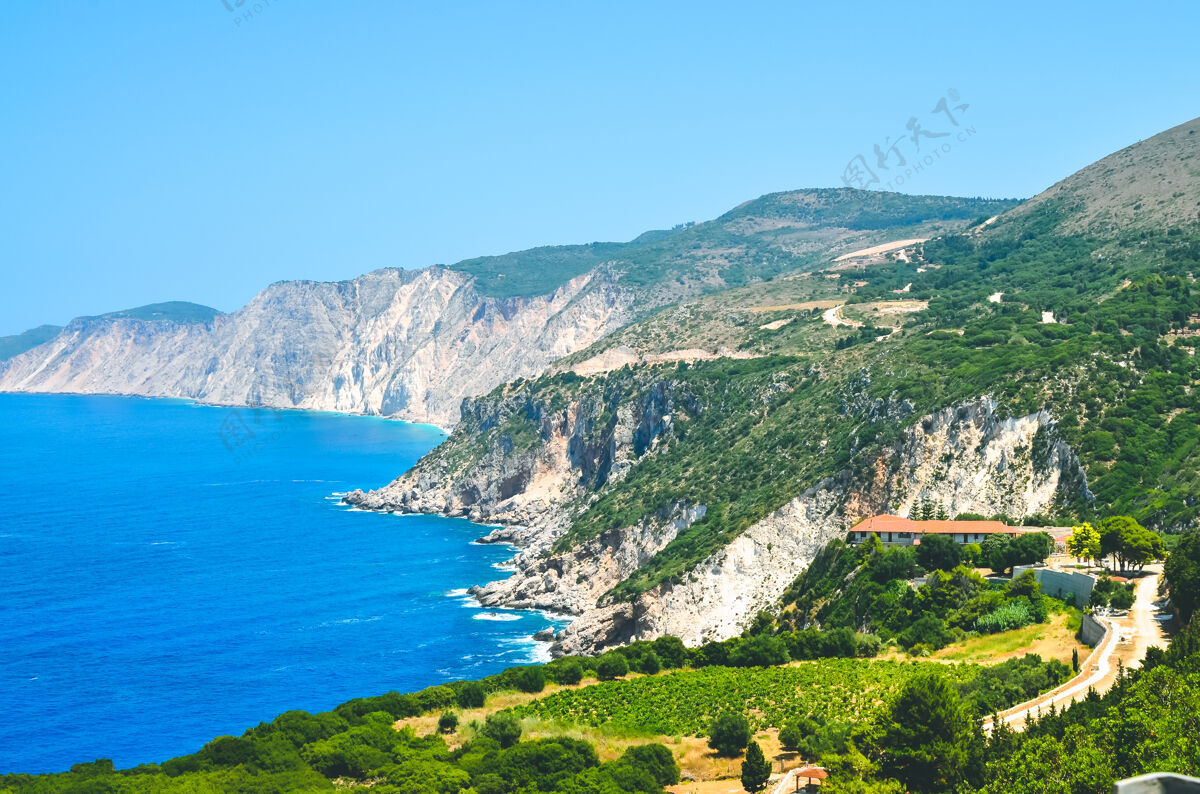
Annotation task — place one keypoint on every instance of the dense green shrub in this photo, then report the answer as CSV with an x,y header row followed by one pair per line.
x,y
504,727
447,722
471,695
729,734
529,679
567,670
611,665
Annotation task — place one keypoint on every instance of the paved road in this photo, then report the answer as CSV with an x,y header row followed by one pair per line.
x,y
1127,640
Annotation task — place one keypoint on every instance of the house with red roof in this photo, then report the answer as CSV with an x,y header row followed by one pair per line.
x,y
907,532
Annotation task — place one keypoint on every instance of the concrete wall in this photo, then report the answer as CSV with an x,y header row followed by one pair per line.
x,y
1092,630
1060,584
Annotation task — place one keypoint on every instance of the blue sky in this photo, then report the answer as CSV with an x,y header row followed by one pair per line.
x,y
160,151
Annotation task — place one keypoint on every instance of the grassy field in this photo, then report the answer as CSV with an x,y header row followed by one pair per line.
x,y
1054,639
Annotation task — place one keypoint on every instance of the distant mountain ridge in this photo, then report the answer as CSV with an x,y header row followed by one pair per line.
x,y
413,343
170,311
16,344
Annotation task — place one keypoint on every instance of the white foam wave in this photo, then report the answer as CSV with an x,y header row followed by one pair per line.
x,y
500,616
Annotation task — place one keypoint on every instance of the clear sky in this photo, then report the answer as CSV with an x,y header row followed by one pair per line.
x,y
157,150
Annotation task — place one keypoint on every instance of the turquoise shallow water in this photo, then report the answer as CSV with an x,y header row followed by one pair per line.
x,y
170,572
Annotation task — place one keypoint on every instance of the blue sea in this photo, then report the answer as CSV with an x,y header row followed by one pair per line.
x,y
171,572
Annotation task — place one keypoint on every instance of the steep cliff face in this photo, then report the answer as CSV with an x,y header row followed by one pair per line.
x,y
408,344
969,458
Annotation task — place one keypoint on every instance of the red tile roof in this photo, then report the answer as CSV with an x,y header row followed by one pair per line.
x,y
885,523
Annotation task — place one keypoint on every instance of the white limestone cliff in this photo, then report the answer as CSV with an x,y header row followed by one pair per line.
x,y
409,344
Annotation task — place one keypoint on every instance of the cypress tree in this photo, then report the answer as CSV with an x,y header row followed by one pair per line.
x,y
756,770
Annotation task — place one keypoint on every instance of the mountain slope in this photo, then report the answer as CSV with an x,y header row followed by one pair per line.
x,y
413,344
1149,185
26,340
1035,364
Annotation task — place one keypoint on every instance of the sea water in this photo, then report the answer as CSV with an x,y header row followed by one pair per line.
x,y
171,572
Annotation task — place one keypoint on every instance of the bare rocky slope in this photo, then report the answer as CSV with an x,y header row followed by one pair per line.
x,y
408,344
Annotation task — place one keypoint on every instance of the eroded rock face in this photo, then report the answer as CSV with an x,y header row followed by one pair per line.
x,y
968,458
409,344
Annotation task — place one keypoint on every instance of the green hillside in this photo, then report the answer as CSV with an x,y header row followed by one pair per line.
x,y
17,344
760,239
173,311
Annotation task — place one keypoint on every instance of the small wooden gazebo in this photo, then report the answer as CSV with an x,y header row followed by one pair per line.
x,y
813,777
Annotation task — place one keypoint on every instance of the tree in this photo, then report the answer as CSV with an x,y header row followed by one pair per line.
x,y
759,651
611,665
1140,546
1182,572
568,670
471,695
671,651
939,553
1122,598
790,736
530,679
729,734
923,510
1129,543
504,727
448,722
655,759
927,630
927,736
649,663
1031,548
1075,660
1084,543
996,552
756,770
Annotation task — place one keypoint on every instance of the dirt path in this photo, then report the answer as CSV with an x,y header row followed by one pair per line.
x,y
804,307
834,317
880,249
1145,630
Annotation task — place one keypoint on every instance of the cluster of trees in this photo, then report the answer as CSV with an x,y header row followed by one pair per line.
x,y
848,587
304,752
1182,572
1109,592
1118,538
1002,552
998,552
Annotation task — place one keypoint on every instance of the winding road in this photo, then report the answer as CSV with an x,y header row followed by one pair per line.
x,y
1127,639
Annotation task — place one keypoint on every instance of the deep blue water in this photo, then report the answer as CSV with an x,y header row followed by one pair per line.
x,y
171,572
